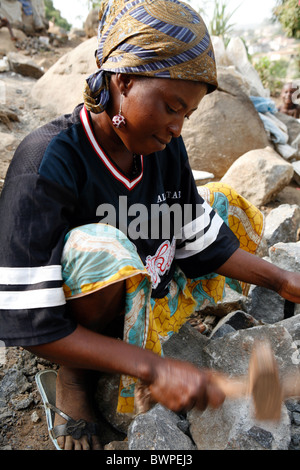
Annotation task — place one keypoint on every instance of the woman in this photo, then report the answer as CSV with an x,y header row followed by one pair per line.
x,y
115,160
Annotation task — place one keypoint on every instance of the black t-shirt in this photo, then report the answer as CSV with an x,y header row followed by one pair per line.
x,y
60,178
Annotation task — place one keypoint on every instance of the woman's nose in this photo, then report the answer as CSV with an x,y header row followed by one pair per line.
x,y
175,127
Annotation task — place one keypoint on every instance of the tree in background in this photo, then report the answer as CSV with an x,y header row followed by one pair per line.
x,y
219,23
54,15
93,4
287,12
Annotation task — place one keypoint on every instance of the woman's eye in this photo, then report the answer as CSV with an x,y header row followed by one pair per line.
x,y
171,110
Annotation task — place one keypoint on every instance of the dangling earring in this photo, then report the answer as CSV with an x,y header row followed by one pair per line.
x,y
118,120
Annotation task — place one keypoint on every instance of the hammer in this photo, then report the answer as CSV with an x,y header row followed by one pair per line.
x,y
262,383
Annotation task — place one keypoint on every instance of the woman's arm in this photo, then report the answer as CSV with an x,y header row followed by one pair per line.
x,y
175,384
247,267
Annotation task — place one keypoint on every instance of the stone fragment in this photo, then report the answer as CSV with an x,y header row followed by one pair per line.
x,y
24,65
237,320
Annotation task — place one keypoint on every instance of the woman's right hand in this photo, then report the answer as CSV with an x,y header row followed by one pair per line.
x,y
180,386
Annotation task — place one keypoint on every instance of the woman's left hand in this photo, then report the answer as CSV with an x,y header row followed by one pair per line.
x,y
250,268
290,287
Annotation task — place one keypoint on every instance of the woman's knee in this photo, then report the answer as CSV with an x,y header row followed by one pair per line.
x,y
99,308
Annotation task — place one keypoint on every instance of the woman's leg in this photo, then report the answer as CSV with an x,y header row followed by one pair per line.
x,y
99,311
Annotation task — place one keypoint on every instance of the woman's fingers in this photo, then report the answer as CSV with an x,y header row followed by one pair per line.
x,y
181,386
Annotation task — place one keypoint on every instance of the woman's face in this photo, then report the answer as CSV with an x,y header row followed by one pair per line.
x,y
155,110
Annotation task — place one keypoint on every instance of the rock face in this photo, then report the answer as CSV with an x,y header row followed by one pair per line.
x,y
218,133
265,169
64,81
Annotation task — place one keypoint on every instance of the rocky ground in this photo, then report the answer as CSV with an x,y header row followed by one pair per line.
x,y
22,418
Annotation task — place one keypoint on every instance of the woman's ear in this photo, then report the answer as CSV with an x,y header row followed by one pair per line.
x,y
124,82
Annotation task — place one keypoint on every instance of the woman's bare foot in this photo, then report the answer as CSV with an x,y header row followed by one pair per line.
x,y
73,398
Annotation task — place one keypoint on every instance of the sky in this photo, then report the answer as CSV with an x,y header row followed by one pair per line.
x,y
248,11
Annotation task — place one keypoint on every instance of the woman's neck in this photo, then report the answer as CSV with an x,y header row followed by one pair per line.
x,y
111,143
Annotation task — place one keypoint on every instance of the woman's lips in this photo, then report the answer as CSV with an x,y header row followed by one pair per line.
x,y
162,141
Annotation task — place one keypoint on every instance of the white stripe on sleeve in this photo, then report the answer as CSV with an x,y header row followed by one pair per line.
x,y
42,298
203,241
29,276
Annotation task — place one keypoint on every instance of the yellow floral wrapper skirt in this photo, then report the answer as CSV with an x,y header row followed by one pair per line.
x,y
99,255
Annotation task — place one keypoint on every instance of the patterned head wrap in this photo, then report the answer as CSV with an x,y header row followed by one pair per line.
x,y
154,38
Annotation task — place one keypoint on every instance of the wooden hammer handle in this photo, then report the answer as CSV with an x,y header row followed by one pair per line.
x,y
236,387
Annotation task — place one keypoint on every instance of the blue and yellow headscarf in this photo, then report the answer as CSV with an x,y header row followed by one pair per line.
x,y
154,38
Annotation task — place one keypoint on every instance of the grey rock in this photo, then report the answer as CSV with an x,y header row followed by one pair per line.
x,y
274,175
266,305
116,445
107,399
14,382
231,354
282,224
286,255
221,330
5,413
296,417
187,345
21,402
233,426
238,320
292,325
158,430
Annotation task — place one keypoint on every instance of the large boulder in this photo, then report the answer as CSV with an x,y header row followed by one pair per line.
x,y
62,85
259,175
225,126
237,55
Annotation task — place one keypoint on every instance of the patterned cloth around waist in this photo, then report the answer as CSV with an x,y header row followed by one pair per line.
x,y
97,255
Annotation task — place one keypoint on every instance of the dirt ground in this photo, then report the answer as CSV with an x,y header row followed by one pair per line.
x,y
27,430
